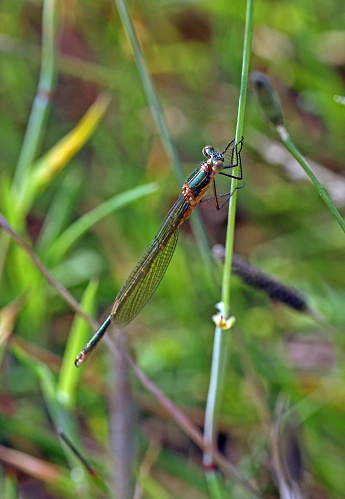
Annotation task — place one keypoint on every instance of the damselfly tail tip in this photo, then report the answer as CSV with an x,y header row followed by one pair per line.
x,y
80,359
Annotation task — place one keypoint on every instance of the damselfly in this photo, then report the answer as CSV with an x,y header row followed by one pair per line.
x,y
153,263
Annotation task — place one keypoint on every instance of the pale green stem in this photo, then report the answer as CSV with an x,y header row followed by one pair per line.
x,y
41,105
289,144
222,337
37,119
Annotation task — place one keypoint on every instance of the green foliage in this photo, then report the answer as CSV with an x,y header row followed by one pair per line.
x,y
80,162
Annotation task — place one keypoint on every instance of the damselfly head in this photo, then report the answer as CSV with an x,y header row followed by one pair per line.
x,y
207,151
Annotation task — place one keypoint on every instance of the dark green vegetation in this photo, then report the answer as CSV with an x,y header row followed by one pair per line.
x,y
194,55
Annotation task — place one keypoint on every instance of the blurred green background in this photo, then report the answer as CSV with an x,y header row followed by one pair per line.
x,y
193,51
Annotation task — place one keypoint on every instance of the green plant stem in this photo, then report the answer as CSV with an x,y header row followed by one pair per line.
x,y
37,118
168,143
149,89
289,144
222,338
41,105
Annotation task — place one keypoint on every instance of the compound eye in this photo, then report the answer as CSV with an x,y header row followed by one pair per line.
x,y
218,166
207,151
